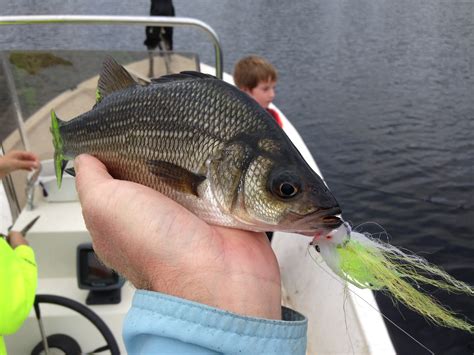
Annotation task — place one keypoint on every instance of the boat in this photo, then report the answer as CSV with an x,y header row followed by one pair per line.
x,y
74,311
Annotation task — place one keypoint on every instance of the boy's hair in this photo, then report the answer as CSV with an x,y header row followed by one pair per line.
x,y
251,70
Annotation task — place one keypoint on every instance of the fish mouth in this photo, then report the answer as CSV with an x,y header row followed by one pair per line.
x,y
332,222
321,221
331,218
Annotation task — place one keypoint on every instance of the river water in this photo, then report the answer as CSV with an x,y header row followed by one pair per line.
x,y
382,92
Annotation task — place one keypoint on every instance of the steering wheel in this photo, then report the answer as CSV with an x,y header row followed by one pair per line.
x,y
65,343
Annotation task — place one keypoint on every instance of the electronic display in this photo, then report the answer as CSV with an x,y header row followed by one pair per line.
x,y
92,274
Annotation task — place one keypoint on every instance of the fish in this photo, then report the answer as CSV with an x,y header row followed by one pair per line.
x,y
203,143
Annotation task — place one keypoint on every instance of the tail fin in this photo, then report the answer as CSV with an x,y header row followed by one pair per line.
x,y
59,161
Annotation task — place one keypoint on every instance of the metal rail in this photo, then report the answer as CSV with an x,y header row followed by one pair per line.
x,y
16,102
162,21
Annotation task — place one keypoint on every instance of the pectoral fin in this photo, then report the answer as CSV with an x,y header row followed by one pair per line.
x,y
177,177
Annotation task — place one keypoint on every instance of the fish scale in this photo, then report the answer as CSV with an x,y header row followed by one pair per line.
x,y
199,141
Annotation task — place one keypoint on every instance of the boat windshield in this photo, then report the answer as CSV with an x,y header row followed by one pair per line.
x,y
32,83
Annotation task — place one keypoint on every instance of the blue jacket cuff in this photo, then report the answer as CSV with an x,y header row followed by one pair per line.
x,y
167,324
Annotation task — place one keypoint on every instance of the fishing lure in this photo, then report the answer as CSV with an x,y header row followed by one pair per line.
x,y
370,263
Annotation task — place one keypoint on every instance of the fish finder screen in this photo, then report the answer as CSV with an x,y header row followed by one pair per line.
x,y
98,273
92,273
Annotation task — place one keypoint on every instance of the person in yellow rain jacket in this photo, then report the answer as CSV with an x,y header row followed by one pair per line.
x,y
18,272
18,279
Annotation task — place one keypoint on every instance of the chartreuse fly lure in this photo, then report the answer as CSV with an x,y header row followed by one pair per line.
x,y
371,263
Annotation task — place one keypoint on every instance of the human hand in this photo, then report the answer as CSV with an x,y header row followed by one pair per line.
x,y
159,245
16,239
15,160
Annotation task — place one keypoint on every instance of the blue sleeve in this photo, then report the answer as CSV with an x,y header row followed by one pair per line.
x,y
158,323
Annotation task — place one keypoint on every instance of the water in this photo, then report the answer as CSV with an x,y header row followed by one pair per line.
x,y
382,92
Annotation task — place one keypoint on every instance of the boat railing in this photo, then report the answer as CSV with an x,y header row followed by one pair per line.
x,y
159,21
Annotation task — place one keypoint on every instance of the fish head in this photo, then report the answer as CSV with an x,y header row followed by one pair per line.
x,y
275,189
290,198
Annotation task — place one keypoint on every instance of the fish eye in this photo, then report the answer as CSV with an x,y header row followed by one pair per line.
x,y
286,185
287,190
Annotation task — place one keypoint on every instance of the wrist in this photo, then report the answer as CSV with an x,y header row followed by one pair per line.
x,y
237,293
252,297
15,239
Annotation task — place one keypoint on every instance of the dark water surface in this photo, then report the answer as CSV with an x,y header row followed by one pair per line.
x,y
382,92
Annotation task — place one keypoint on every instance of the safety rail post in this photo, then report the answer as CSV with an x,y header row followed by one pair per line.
x,y
162,21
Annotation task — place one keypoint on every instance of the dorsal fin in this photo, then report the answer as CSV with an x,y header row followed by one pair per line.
x,y
113,77
197,74
184,75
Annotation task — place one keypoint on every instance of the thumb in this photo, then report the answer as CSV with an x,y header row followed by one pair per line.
x,y
90,173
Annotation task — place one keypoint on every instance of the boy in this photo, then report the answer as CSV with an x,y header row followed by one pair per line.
x,y
257,77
